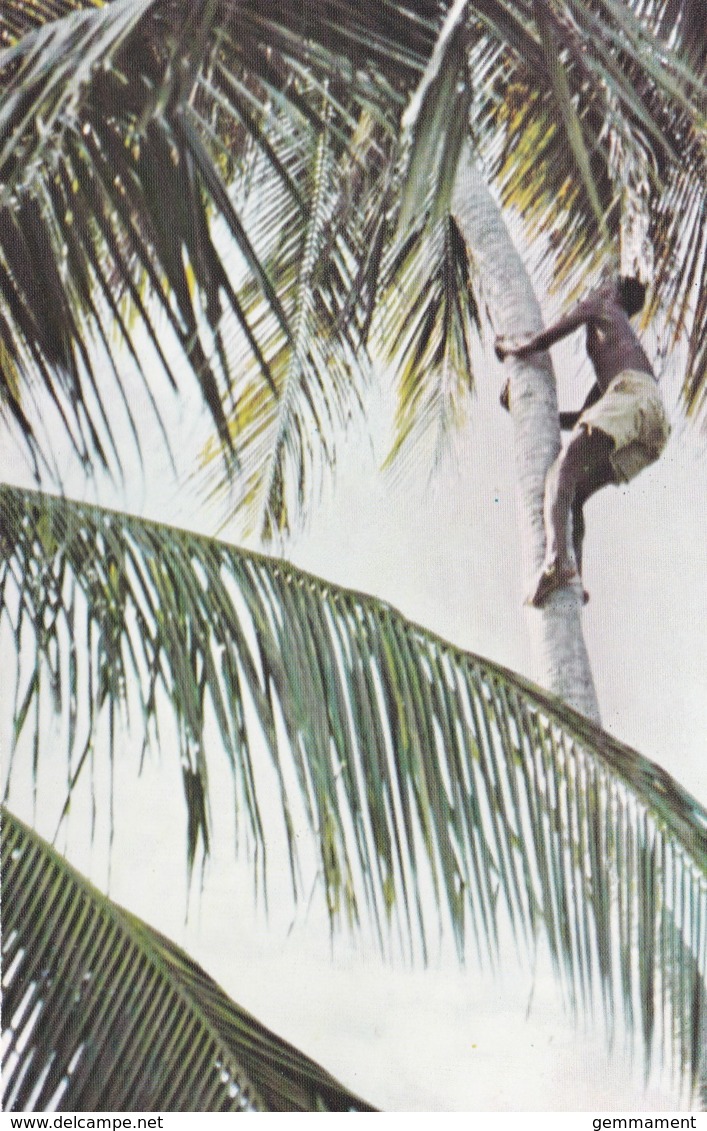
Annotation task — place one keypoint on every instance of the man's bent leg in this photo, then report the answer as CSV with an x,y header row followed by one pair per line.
x,y
585,461
588,485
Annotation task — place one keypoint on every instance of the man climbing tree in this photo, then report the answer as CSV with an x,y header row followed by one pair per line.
x,y
621,428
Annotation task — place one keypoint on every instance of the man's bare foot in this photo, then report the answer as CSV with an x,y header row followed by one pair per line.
x,y
551,577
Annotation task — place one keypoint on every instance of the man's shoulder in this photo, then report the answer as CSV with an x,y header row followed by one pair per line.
x,y
605,297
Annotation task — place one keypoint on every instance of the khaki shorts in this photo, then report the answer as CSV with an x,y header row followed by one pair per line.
x,y
631,411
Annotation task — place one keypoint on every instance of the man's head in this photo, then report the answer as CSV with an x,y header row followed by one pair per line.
x,y
632,294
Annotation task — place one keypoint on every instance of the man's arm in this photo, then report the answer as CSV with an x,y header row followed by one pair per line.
x,y
581,314
568,420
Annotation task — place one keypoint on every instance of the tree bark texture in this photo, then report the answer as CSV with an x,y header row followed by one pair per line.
x,y
559,657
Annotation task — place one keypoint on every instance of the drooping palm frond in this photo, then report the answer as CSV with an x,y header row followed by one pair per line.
x,y
576,113
427,316
113,189
418,767
284,427
122,128
574,134
17,17
102,1013
585,79
626,96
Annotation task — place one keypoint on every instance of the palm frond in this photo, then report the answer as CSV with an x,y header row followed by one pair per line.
x,y
20,16
286,427
100,179
571,109
102,1013
679,235
418,767
638,85
122,127
112,188
427,315
573,131
571,128
620,58
437,120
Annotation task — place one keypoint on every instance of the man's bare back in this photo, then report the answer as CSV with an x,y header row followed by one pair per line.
x,y
612,345
621,429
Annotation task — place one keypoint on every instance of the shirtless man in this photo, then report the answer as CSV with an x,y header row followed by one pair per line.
x,y
621,428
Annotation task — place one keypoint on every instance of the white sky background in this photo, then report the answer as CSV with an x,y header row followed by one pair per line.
x,y
444,552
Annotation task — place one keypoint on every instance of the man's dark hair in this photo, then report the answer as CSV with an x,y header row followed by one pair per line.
x,y
632,293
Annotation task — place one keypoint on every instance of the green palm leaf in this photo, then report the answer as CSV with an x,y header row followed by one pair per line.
x,y
317,370
424,329
123,127
572,110
632,109
116,195
102,1013
417,766
20,16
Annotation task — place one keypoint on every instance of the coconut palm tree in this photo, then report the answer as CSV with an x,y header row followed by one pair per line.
x,y
143,138
325,135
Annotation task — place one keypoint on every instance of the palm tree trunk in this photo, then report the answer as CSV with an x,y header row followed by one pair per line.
x,y
559,660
